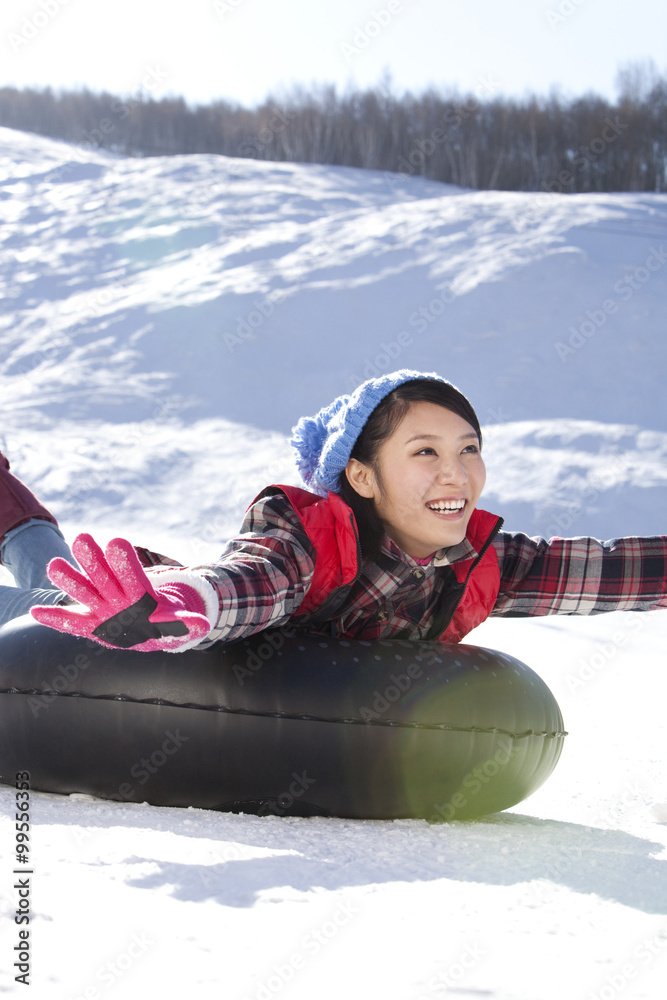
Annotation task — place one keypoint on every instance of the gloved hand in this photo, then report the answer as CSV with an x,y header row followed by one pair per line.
x,y
122,608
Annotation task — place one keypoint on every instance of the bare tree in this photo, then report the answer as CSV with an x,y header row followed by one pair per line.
x,y
538,143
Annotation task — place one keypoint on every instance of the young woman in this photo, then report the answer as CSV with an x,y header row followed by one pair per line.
x,y
387,541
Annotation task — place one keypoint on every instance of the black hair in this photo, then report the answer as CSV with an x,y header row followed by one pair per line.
x,y
381,424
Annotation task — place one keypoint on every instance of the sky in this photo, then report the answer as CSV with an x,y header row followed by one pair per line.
x,y
245,50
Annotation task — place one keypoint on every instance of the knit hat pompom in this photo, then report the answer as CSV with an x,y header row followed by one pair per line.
x,y
322,444
310,437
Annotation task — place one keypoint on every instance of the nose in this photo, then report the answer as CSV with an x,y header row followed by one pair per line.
x,y
452,470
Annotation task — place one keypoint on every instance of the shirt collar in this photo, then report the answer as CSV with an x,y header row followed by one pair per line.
x,y
454,554
443,557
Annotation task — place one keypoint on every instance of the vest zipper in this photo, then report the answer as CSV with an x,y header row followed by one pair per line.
x,y
439,628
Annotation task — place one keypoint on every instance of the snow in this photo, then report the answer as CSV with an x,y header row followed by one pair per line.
x,y
165,322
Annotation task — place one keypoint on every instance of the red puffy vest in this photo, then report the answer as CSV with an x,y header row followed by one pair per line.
x,y
331,527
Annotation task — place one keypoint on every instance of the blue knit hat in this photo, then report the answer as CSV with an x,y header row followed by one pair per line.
x,y
323,443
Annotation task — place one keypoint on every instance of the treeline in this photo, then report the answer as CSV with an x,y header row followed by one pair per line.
x,y
477,141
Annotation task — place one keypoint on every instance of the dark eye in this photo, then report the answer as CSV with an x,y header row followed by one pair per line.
x,y
426,451
471,449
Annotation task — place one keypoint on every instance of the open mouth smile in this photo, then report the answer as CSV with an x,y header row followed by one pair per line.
x,y
448,508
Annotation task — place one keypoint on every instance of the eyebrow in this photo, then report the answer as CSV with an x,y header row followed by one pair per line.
x,y
438,437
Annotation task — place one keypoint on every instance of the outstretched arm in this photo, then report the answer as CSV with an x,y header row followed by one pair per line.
x,y
258,583
580,576
118,606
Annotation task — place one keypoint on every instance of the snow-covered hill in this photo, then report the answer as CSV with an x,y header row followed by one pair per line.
x,y
162,299
164,324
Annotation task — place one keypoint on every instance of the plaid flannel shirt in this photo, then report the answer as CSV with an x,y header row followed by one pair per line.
x,y
263,575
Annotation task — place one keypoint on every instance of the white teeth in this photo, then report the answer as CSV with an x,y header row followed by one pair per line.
x,y
447,505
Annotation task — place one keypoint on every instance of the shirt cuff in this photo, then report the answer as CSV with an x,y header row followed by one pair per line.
x,y
159,575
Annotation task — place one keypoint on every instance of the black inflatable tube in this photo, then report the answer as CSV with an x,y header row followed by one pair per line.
x,y
283,723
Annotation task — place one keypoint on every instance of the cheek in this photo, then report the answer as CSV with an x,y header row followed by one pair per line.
x,y
396,492
481,478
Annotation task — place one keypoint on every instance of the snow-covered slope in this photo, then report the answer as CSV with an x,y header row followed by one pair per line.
x,y
164,324
151,295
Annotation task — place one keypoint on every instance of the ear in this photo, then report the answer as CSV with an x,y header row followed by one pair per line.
x,y
361,478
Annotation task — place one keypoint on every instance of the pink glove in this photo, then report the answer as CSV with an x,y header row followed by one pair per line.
x,y
123,609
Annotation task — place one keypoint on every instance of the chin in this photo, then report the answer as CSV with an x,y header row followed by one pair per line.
x,y
454,538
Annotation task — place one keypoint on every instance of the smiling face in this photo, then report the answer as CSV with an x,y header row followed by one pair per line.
x,y
426,480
